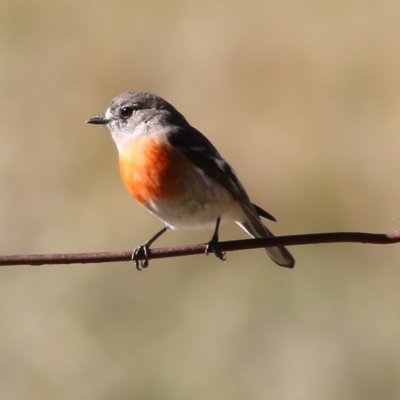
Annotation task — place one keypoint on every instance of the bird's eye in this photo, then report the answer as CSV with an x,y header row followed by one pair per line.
x,y
126,112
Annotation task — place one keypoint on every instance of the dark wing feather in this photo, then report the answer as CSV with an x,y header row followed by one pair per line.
x,y
263,213
200,151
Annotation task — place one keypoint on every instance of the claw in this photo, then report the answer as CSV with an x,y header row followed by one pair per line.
x,y
213,247
143,249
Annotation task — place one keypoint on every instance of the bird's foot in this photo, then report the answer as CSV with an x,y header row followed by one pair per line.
x,y
213,247
143,250
139,252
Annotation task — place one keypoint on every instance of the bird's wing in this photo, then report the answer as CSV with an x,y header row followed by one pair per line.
x,y
201,152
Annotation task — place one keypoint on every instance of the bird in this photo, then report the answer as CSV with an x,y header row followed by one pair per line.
x,y
178,175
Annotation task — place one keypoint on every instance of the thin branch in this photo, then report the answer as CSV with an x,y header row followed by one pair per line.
x,y
168,252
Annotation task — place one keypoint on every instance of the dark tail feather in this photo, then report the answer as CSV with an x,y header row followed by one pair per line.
x,y
256,229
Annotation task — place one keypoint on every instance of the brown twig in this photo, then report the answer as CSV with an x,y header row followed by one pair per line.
x,y
167,252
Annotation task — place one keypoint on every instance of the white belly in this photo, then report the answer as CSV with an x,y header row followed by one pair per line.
x,y
203,200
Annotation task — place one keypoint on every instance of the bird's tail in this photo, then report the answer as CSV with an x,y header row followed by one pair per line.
x,y
255,228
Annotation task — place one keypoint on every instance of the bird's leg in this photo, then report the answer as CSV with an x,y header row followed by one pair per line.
x,y
212,245
143,249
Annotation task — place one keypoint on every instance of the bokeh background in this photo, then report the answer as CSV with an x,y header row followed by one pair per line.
x,y
303,98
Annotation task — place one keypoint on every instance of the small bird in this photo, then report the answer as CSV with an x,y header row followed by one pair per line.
x,y
175,172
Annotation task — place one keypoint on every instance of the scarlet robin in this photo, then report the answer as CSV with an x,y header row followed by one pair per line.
x,y
177,174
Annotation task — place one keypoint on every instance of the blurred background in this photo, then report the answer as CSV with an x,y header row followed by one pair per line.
x,y
303,99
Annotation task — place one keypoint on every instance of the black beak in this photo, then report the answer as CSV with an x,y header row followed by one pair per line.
x,y
100,120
